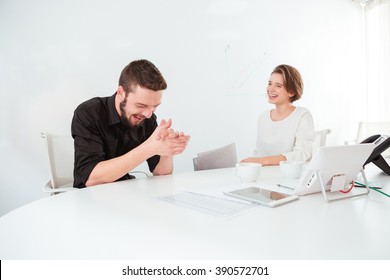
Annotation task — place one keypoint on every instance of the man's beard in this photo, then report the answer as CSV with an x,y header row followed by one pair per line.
x,y
124,120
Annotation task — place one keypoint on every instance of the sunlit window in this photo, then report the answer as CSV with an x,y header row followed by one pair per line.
x,y
376,31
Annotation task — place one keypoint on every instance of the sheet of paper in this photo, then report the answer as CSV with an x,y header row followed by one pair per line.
x,y
216,206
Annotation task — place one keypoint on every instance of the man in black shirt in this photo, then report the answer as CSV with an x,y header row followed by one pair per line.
x,y
113,135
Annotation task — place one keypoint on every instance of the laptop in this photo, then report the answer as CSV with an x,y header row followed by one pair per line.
x,y
338,166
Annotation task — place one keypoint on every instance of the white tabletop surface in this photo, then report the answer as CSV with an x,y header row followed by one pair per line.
x,y
127,220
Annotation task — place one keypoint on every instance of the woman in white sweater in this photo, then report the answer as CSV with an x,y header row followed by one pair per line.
x,y
287,131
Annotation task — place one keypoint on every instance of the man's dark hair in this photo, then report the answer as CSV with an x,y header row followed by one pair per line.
x,y
143,73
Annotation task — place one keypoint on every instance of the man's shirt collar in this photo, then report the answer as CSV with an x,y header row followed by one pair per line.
x,y
113,116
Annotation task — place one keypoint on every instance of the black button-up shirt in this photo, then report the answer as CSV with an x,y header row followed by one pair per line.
x,y
99,135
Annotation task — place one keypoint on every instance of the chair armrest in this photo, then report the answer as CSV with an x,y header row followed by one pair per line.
x,y
138,172
48,188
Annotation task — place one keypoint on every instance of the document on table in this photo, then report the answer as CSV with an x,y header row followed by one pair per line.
x,y
216,206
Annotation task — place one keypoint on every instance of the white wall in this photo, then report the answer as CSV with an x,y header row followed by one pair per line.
x,y
215,55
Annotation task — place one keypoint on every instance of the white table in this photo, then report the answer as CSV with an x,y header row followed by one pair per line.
x,y
126,220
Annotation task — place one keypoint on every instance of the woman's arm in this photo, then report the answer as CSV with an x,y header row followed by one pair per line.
x,y
304,138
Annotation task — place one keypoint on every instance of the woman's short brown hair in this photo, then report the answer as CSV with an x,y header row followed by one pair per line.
x,y
292,80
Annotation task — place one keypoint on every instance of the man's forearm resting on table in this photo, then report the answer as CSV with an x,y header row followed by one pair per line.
x,y
110,170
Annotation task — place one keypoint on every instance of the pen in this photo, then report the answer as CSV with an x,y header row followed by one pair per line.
x,y
283,186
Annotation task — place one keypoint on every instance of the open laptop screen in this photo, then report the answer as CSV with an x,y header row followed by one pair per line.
x,y
341,163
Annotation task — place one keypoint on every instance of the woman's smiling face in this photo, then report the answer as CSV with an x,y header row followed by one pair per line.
x,y
276,91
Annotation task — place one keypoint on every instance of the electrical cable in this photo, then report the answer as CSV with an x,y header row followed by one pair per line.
x,y
379,191
347,191
372,188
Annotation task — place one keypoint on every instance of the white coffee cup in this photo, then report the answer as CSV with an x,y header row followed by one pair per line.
x,y
247,171
291,169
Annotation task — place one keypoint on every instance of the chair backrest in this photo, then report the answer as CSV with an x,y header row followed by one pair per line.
x,y
320,139
367,129
60,152
222,157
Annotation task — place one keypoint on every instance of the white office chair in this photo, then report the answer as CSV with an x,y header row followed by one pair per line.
x,y
60,152
366,129
320,139
222,157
